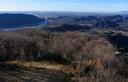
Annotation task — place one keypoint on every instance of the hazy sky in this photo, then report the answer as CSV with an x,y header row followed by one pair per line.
x,y
64,5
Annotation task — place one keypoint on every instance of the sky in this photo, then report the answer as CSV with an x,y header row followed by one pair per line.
x,y
64,5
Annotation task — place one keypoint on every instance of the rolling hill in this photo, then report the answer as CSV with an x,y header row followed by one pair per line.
x,y
18,20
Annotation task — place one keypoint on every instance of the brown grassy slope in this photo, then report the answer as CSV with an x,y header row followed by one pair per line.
x,y
89,57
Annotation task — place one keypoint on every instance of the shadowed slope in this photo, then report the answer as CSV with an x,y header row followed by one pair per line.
x,y
17,20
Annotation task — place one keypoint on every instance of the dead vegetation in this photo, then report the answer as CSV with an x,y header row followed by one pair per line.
x,y
85,57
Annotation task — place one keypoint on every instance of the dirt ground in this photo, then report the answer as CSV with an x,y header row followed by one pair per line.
x,y
10,72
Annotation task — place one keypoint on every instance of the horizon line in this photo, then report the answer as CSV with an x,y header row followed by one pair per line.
x,y
64,11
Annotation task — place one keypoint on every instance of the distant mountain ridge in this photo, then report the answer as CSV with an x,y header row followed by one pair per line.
x,y
123,12
78,23
17,20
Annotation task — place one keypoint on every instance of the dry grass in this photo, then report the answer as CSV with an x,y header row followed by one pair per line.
x,y
39,65
9,73
86,57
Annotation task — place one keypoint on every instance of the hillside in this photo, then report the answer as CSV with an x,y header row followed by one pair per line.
x,y
17,20
28,55
66,49
116,22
